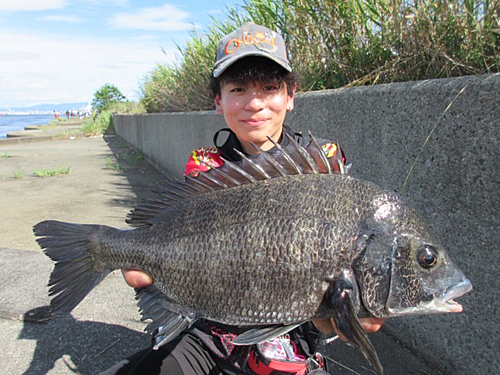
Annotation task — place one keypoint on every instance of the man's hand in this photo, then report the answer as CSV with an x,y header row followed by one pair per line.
x,y
137,278
327,326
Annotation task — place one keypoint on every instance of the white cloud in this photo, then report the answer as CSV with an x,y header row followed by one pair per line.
x,y
61,69
14,56
165,18
31,5
68,19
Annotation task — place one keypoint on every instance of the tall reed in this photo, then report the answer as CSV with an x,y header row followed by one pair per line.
x,y
343,43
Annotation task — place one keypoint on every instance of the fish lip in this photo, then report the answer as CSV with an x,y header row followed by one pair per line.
x,y
455,291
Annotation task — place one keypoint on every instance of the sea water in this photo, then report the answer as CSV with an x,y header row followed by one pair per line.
x,y
11,123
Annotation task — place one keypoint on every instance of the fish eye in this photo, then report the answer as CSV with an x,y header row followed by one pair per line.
x,y
427,257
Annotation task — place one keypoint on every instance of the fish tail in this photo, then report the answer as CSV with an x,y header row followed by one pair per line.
x,y
77,270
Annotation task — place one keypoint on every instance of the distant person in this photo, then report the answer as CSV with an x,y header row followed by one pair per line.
x,y
67,113
56,115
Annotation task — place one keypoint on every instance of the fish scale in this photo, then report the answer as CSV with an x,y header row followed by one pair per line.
x,y
203,247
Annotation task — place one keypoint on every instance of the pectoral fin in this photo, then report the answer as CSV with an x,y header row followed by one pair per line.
x,y
348,324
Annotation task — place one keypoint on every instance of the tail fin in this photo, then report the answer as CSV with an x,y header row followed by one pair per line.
x,y
76,271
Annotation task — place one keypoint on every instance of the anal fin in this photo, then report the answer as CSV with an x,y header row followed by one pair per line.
x,y
166,324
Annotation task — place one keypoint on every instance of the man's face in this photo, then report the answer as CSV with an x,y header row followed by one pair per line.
x,y
254,111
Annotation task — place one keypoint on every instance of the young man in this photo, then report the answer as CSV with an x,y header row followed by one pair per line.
x,y
253,87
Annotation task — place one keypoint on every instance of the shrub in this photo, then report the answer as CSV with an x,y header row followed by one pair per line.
x,y
102,123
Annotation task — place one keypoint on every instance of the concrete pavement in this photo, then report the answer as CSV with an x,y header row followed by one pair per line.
x,y
107,179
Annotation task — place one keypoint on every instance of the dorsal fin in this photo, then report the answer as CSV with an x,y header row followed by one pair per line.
x,y
319,156
300,156
289,161
293,159
270,160
257,168
225,176
230,166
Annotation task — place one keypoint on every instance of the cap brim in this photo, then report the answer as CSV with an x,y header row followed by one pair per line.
x,y
223,65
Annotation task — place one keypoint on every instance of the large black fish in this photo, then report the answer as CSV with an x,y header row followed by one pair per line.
x,y
270,242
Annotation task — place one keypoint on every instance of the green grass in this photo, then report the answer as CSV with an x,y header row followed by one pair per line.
x,y
18,174
111,164
121,144
133,158
98,125
51,172
335,44
4,155
103,123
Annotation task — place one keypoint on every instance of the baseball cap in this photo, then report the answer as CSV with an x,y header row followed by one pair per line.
x,y
250,40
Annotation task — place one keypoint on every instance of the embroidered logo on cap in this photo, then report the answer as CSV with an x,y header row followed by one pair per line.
x,y
259,40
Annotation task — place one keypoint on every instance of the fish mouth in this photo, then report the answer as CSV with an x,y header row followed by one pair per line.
x,y
442,303
446,302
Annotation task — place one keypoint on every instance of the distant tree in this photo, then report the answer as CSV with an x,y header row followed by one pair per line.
x,y
105,96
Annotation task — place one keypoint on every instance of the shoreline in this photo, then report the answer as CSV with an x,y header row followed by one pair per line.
x,y
33,133
18,122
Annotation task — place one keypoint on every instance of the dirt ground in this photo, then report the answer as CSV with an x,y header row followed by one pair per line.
x,y
106,181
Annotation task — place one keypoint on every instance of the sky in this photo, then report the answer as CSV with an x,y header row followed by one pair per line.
x,y
62,51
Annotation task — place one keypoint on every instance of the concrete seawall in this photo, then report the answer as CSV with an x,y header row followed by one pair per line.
x,y
442,138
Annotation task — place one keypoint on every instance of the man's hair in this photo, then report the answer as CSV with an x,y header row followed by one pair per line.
x,y
253,69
